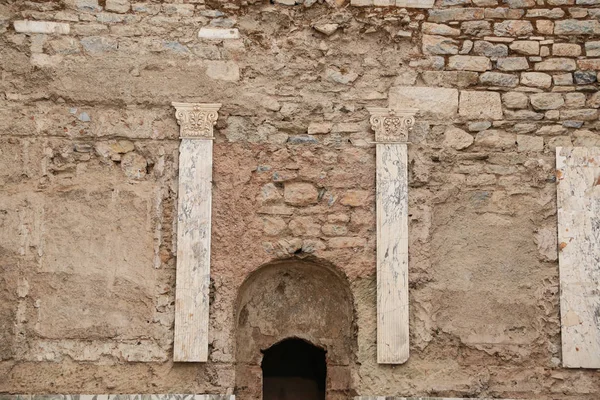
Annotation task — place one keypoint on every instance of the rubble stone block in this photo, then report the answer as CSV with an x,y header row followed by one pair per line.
x,y
480,105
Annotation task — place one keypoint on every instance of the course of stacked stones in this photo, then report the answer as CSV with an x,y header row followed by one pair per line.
x,y
89,165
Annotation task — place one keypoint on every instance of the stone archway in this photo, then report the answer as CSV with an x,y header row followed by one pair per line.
x,y
300,299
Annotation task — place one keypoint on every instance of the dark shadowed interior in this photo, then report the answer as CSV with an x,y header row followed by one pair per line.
x,y
292,370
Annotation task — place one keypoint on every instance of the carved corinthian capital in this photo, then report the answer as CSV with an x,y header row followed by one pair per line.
x,y
391,126
196,120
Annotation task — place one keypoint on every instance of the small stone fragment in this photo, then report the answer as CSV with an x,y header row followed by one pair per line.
x,y
300,194
134,165
326,29
354,198
526,143
457,139
480,105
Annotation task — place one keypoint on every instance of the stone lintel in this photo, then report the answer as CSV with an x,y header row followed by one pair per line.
x,y
392,125
196,120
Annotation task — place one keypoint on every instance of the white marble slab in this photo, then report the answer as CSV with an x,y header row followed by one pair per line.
x,y
196,121
193,250
117,397
578,197
392,253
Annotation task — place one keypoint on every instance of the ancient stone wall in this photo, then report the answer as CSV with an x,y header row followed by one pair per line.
x,y
89,165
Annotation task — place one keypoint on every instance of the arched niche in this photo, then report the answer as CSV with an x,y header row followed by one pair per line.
x,y
295,299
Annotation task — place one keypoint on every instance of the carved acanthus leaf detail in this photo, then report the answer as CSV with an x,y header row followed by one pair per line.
x,y
392,126
196,120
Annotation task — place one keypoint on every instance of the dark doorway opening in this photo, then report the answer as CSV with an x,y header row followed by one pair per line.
x,y
294,370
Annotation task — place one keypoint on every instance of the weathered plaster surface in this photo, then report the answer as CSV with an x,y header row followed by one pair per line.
x,y
89,156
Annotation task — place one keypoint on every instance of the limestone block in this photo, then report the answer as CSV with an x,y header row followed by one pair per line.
x,y
513,28
544,27
469,63
119,6
575,100
527,143
556,64
433,102
536,79
347,242
450,78
300,193
563,79
499,79
485,48
355,198
496,139
546,13
413,3
457,139
592,49
577,27
223,70
57,28
455,14
589,64
439,29
480,105
512,64
566,49
527,47
433,44
547,101
476,28
218,33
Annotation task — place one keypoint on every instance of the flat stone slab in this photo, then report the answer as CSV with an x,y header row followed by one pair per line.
x,y
432,102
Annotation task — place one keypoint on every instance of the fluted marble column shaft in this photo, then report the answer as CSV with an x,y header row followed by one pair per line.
x,y
391,135
194,207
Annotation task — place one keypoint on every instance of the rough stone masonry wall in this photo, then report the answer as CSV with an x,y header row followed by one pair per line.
x,y
88,181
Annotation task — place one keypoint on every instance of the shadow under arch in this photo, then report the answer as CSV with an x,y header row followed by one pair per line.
x,y
303,298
